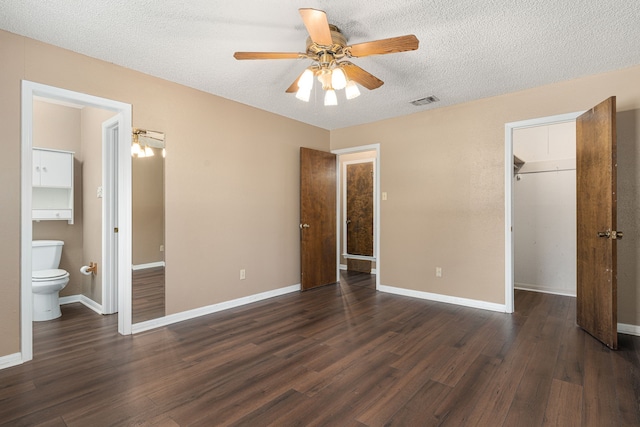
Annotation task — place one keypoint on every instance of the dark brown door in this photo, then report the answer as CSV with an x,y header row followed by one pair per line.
x,y
596,221
318,264
359,222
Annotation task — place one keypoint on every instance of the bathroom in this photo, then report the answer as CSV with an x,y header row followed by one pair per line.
x,y
78,129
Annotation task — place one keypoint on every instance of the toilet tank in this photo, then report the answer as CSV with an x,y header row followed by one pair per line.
x,y
46,254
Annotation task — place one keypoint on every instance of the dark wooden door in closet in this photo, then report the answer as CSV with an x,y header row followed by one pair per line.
x,y
318,263
597,232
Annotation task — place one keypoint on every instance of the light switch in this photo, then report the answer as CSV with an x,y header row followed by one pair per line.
x,y
99,193
384,195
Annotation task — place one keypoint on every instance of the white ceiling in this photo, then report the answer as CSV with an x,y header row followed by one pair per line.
x,y
469,49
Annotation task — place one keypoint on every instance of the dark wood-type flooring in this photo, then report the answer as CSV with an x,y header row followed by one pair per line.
x,y
147,294
341,355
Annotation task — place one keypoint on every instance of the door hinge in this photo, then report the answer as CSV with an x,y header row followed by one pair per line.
x,y
115,230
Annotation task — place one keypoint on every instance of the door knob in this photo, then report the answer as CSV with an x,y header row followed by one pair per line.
x,y
608,234
348,221
304,226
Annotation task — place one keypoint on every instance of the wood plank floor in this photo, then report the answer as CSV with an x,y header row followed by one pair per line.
x,y
341,355
147,294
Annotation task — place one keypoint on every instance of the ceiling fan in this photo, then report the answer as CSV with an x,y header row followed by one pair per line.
x,y
328,49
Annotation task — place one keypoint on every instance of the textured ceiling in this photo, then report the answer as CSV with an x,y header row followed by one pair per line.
x,y
469,49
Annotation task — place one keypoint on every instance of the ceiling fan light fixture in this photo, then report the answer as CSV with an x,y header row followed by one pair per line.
x,y
324,77
338,78
306,80
351,90
303,94
330,97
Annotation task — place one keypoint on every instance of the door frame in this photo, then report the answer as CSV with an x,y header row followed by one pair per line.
x,y
508,194
122,180
376,195
343,235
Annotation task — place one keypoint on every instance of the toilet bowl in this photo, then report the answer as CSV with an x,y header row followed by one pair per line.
x,y
47,280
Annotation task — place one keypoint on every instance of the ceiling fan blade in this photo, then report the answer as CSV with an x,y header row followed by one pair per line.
x,y
294,86
317,26
382,47
361,76
267,55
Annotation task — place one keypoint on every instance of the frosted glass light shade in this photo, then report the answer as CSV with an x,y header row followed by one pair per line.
x,y
306,80
330,97
338,79
148,152
352,90
135,149
303,94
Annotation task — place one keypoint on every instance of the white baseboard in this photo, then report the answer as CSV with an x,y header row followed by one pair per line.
x,y
10,360
629,329
542,289
202,311
484,305
148,265
84,300
344,267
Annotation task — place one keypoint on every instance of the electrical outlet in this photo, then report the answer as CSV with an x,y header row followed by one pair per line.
x,y
243,274
438,272
161,248
99,193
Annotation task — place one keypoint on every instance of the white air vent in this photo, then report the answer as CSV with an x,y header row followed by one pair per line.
x,y
425,101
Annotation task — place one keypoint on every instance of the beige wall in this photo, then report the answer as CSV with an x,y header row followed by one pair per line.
x,y
443,171
91,130
231,174
629,215
58,127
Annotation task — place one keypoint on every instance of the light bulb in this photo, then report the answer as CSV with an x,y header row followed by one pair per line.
x,y
135,147
352,90
303,94
306,80
330,97
338,79
148,152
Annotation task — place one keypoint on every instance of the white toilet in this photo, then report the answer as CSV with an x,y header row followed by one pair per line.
x,y
47,280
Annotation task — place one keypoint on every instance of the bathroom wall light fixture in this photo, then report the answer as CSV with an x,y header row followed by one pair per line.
x,y
143,142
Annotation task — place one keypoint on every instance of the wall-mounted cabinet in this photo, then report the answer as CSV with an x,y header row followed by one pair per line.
x,y
52,185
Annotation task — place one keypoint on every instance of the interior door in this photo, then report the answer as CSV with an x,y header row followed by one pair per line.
x,y
318,264
596,221
359,214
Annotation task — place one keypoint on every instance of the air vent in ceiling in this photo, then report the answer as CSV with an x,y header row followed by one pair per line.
x,y
425,101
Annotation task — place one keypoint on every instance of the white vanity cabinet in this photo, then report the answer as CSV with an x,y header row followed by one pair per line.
x,y
52,185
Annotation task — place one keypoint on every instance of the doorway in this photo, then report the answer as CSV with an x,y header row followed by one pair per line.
x,y
368,155
117,224
510,128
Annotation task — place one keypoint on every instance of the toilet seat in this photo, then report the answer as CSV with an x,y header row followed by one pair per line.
x,y
48,275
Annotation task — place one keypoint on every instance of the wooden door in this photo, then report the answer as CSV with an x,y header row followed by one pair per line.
x,y
596,222
359,218
318,264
